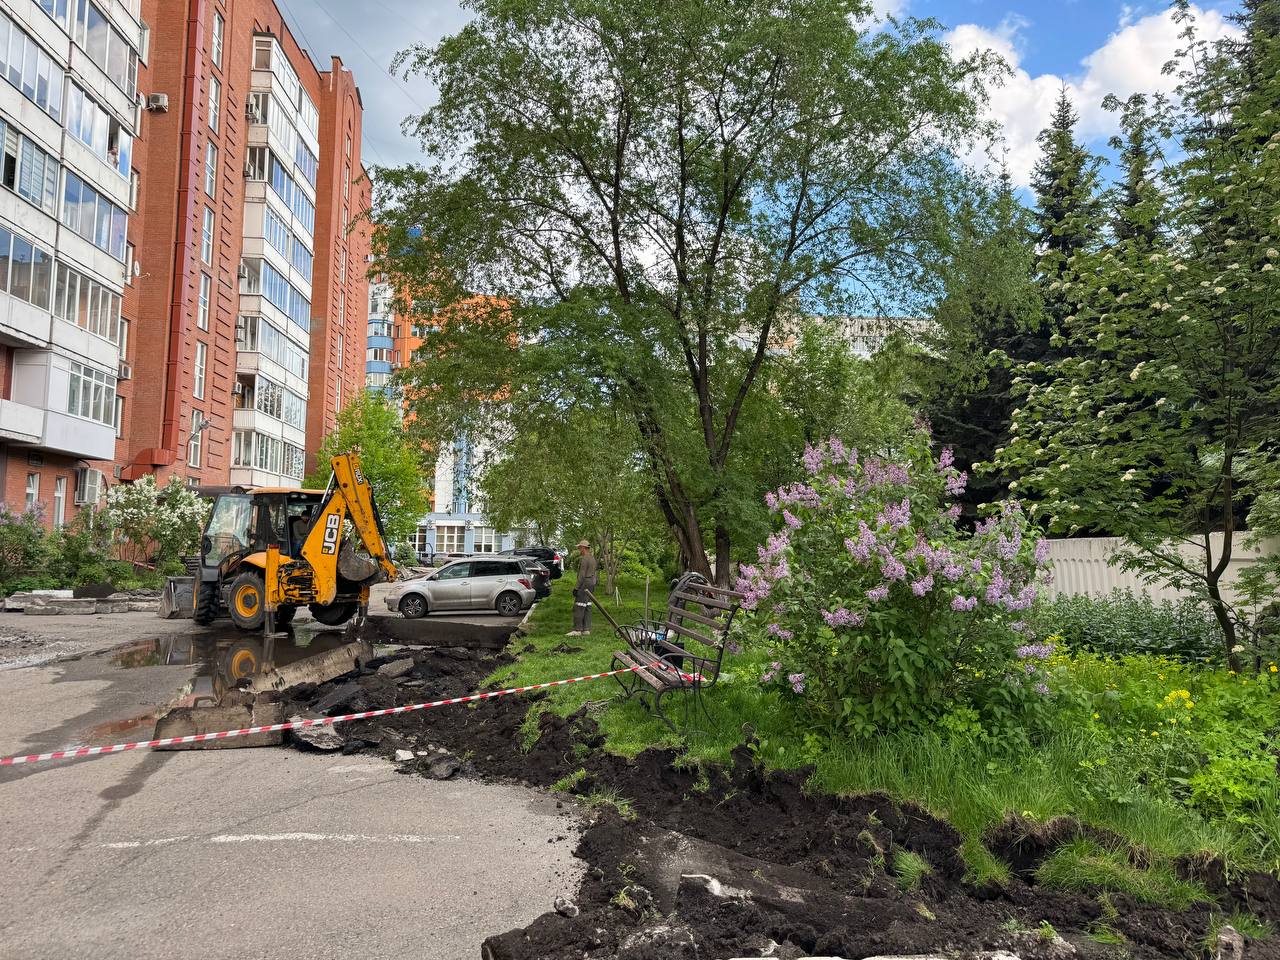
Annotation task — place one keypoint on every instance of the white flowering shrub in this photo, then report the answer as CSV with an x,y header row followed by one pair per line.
x,y
155,523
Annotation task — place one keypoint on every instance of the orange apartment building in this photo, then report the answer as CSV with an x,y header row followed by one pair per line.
x,y
250,299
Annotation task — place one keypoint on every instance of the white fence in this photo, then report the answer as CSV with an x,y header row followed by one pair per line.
x,y
1082,566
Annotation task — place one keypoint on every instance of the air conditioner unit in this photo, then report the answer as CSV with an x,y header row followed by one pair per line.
x,y
117,471
125,371
237,389
242,271
369,258
158,102
252,113
88,485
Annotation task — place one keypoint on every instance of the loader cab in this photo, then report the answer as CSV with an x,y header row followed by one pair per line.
x,y
243,523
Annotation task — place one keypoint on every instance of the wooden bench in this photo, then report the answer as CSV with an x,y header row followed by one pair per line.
x,y
682,652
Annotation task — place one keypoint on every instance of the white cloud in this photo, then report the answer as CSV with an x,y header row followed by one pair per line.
x,y
888,8
1131,61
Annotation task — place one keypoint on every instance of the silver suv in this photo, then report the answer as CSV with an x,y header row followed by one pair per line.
x,y
499,584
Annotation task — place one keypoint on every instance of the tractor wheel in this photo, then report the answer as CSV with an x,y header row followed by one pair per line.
x,y
243,660
206,603
247,601
333,614
284,614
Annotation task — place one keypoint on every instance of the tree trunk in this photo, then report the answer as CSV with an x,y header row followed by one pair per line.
x,y
723,562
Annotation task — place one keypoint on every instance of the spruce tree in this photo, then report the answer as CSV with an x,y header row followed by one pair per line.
x,y
1068,211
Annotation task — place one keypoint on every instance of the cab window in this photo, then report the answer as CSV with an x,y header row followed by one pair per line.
x,y
458,571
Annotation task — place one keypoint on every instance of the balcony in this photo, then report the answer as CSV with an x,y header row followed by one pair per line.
x,y
20,422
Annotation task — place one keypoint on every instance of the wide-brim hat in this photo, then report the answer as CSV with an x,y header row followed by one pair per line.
x,y
583,543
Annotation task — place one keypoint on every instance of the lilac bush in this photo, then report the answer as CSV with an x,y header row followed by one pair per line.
x,y
879,611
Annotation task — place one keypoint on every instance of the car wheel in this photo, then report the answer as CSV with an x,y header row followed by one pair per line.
x,y
247,601
509,604
413,606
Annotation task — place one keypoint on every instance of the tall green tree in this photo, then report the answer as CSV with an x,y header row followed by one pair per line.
x,y
1068,210
371,425
651,188
989,319
577,476
1159,421
1136,205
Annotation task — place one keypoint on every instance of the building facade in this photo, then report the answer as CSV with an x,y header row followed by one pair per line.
x,y
247,273
457,522
68,120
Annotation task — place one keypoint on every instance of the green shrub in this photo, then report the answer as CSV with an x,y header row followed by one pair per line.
x,y
24,548
1126,623
35,582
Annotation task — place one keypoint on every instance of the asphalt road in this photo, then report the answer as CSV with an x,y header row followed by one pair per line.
x,y
259,853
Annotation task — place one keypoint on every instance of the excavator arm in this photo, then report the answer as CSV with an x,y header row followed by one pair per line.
x,y
350,497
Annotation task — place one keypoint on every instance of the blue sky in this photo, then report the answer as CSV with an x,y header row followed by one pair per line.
x,y
1093,46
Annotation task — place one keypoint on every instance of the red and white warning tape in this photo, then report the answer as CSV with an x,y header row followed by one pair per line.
x,y
315,722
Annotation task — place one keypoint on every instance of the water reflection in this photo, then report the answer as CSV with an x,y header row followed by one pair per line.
x,y
225,659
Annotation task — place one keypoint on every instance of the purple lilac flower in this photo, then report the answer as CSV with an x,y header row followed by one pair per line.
x,y
838,452
768,675
1036,651
956,482
1042,689
1042,552
1008,547
922,586
953,572
797,682
946,459
780,632
953,511
1023,601
895,516
976,565
898,474
876,594
893,569
733,647
813,457
771,501
998,587
791,520
1019,627
842,617
963,604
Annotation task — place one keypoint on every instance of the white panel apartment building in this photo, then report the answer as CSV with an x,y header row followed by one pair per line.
x,y
275,274
68,114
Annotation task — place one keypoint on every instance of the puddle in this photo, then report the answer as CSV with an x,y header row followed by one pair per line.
x,y
223,657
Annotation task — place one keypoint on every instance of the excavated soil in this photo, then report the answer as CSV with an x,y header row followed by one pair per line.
x,y
736,862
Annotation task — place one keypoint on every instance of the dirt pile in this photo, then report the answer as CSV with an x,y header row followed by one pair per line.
x,y
733,861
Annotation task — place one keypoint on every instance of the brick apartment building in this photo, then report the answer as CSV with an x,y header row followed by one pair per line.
x,y
182,291
250,179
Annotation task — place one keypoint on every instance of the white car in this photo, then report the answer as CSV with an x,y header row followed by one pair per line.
x,y
499,584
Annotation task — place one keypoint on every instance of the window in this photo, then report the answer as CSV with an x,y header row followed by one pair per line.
x,y
422,541
119,417
288,191
295,461
28,170
193,444
277,401
215,47
257,334
99,130
59,502
60,10
449,537
95,218
242,449
306,161
262,53
106,47
211,169
123,340
88,304
202,309
265,279
301,259
268,453
33,490
378,355
91,393
215,103
341,351
485,540
206,237
455,571
276,232
29,69
202,357
255,164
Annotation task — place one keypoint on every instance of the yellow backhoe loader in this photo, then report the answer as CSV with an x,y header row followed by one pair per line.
x,y
276,549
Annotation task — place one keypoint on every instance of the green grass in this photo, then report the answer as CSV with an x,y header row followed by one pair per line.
x,y
1083,866
566,784
910,869
972,786
1245,924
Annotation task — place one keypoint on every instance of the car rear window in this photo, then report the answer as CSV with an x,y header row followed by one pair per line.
x,y
495,568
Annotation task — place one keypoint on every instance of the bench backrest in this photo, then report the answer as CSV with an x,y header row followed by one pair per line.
x,y
699,612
